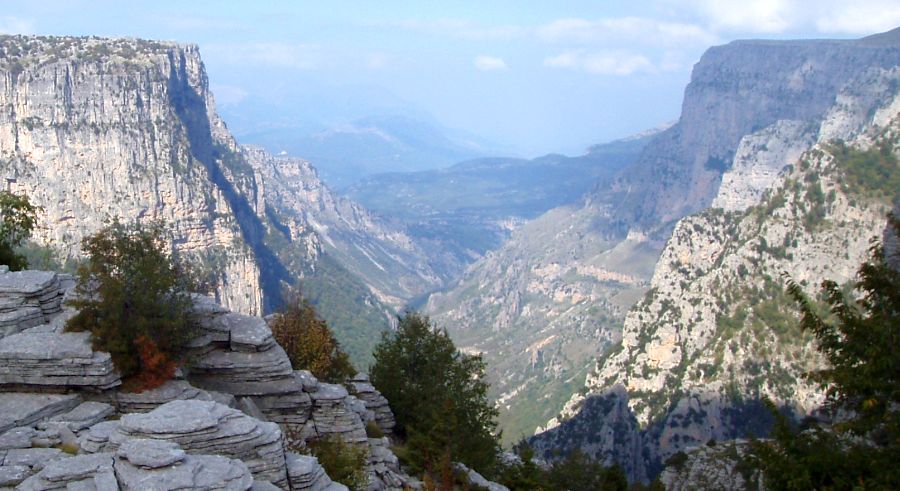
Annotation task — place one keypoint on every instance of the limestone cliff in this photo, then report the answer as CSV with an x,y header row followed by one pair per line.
x,y
91,130
97,129
716,332
291,195
549,302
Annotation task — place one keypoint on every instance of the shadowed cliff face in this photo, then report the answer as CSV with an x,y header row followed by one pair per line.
x,y
191,108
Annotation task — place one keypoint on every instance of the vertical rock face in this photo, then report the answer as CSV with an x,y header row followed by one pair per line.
x,y
716,332
93,130
735,90
99,129
544,306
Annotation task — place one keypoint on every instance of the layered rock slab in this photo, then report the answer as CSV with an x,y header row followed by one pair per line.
x,y
206,427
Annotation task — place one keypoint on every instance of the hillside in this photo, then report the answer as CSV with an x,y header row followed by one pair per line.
x,y
716,332
473,206
745,99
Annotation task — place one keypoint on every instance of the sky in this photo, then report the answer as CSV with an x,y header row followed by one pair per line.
x,y
531,77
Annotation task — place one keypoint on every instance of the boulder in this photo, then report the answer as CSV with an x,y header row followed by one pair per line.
x,y
206,427
306,474
24,409
55,360
93,471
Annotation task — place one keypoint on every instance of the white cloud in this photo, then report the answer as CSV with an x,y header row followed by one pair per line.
x,y
228,95
617,63
766,16
15,25
489,63
784,16
623,30
860,18
286,55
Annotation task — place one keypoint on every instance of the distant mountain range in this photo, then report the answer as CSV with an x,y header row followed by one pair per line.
x,y
346,153
473,206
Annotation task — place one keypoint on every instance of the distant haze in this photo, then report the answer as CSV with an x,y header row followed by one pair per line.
x,y
527,79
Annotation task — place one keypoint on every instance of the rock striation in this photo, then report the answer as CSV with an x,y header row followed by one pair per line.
x,y
218,425
360,387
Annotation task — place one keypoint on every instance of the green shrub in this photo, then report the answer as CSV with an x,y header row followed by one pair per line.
x,y
343,462
17,219
438,395
133,297
308,341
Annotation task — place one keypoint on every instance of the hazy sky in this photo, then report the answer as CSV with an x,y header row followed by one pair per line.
x,y
537,77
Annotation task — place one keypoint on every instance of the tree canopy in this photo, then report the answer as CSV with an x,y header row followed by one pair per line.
x,y
308,341
133,296
438,395
17,219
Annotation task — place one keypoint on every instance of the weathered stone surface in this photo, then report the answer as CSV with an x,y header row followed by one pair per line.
x,y
84,416
245,373
148,400
33,458
383,469
10,475
360,387
23,409
305,473
20,437
150,454
332,414
205,427
96,438
96,469
51,359
213,472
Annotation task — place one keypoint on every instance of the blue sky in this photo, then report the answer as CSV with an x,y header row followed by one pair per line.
x,y
535,77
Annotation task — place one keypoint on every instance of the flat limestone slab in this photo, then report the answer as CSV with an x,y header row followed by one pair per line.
x,y
27,282
46,346
23,409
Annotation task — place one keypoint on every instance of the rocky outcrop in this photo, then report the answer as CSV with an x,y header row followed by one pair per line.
x,y
218,425
712,466
363,390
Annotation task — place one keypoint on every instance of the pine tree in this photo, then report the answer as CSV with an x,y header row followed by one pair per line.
x,y
438,395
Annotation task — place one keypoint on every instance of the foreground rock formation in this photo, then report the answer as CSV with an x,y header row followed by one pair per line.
x,y
233,420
